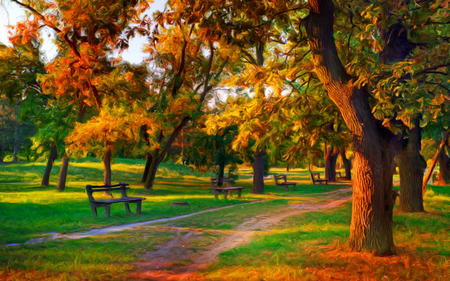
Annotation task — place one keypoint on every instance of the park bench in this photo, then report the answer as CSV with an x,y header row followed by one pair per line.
x,y
315,177
340,177
281,181
225,190
122,187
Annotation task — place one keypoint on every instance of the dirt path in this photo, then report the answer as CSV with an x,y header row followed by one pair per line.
x,y
167,262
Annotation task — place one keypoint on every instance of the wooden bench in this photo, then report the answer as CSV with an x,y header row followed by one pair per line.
x,y
315,177
281,181
340,177
122,187
225,190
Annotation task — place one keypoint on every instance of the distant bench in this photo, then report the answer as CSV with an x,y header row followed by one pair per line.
x,y
122,187
315,177
281,180
225,190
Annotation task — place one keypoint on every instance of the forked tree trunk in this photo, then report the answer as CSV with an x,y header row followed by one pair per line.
x,y
347,164
331,156
433,163
444,168
373,200
48,169
411,166
151,174
63,173
258,172
107,165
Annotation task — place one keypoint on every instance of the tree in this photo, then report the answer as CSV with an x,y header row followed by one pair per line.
x,y
213,150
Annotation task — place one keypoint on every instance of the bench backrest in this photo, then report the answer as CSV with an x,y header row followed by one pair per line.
x,y
279,177
215,181
99,188
313,177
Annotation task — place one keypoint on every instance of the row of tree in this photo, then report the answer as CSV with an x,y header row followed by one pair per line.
x,y
366,75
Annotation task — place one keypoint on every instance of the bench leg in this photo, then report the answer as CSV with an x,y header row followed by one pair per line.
x,y
229,193
138,207
225,195
293,186
286,187
107,210
215,195
239,193
127,208
94,211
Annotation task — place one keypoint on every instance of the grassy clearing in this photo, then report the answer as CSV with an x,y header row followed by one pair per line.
x,y
313,246
30,211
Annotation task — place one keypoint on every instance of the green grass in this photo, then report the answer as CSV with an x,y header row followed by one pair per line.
x,y
310,246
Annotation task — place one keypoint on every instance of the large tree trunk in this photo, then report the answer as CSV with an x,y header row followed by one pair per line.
x,y
444,168
48,169
107,165
433,163
347,164
63,173
258,172
331,156
411,166
16,143
373,200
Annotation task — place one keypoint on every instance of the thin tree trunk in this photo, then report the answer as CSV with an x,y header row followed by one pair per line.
x,y
16,143
48,169
444,169
258,172
152,173
63,173
433,163
331,156
221,174
373,200
107,165
183,159
347,164
3,147
148,163
411,167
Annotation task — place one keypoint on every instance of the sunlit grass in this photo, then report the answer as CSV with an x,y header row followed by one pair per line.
x,y
310,246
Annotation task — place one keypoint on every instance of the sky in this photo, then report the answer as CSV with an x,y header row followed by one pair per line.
x,y
11,13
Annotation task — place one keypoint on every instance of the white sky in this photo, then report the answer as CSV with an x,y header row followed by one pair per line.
x,y
11,13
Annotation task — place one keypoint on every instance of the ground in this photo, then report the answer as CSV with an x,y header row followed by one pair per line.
x,y
281,235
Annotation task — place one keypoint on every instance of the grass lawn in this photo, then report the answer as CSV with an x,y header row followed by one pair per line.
x,y
307,246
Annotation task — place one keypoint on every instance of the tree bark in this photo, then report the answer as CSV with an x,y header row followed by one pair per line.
x,y
347,164
63,173
331,156
3,147
148,163
433,163
107,165
16,143
258,172
221,173
48,169
373,200
444,168
411,166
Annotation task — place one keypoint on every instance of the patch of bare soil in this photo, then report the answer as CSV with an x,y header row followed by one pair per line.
x,y
167,262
